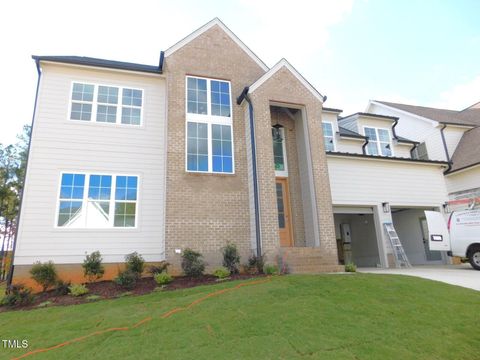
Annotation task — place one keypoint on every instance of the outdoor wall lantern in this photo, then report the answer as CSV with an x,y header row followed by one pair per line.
x,y
446,207
386,207
277,133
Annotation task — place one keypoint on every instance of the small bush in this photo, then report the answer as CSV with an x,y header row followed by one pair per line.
x,y
255,264
135,263
162,278
61,287
126,279
92,266
231,259
192,263
158,269
44,275
17,295
221,273
270,269
78,290
350,267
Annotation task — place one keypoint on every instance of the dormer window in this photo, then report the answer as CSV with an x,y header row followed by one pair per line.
x,y
379,141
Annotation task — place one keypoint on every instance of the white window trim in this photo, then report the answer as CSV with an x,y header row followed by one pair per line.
x,y
283,173
210,120
85,200
379,148
95,104
333,135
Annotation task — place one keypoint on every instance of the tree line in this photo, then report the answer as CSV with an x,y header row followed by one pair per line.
x,y
13,162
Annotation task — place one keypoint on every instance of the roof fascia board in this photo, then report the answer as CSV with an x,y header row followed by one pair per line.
x,y
432,122
463,169
209,25
284,63
372,158
105,68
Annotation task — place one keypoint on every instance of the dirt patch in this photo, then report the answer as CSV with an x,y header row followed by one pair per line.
x,y
110,290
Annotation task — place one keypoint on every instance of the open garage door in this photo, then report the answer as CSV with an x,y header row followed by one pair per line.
x,y
412,229
356,236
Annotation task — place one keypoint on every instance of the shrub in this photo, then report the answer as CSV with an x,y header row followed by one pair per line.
x,y
17,295
135,263
44,275
162,278
231,259
126,279
350,267
158,269
221,273
78,290
92,266
192,263
62,287
255,264
270,269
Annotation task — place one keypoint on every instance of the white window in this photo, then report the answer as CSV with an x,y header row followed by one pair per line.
x,y
97,201
328,136
209,140
107,104
379,141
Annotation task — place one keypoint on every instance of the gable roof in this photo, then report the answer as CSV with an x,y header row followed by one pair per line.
x,y
96,62
283,63
467,117
467,153
216,21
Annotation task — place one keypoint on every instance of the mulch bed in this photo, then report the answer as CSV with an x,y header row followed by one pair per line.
x,y
110,290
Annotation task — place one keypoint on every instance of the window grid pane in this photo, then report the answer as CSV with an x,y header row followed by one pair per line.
x,y
220,94
71,198
197,146
221,148
328,137
196,96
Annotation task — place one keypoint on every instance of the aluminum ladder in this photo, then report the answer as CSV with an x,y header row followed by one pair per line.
x,y
398,251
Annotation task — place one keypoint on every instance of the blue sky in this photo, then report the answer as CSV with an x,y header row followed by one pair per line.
x,y
418,52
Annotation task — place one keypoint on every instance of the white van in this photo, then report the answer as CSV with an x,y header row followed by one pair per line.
x,y
460,237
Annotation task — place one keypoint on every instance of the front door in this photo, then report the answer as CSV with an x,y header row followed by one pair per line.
x,y
430,255
284,218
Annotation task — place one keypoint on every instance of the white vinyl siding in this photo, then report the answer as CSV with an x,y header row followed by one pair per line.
x,y
60,145
363,181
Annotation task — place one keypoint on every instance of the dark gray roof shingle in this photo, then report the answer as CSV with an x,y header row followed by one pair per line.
x,y
467,152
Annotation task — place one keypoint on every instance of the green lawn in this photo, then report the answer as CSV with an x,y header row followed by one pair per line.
x,y
356,316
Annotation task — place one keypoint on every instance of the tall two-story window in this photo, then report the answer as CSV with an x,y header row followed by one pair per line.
x,y
107,104
209,126
328,136
379,141
97,201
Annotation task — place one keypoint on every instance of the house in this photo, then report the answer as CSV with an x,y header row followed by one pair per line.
x,y
445,135
212,146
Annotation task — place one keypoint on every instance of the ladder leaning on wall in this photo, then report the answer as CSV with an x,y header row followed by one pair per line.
x,y
398,251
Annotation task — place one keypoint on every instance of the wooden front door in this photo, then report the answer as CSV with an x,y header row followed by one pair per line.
x,y
284,218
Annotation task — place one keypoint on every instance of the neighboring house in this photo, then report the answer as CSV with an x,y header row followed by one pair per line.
x,y
210,147
446,135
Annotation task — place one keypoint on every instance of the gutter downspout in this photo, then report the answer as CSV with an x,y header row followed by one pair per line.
x,y
245,96
393,129
412,150
364,146
12,267
445,148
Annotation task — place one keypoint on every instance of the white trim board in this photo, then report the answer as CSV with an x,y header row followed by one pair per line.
x,y
284,63
209,25
432,122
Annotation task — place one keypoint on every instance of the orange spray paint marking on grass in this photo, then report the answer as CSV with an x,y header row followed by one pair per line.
x,y
141,322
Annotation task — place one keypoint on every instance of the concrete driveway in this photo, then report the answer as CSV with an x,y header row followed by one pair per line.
x,y
461,275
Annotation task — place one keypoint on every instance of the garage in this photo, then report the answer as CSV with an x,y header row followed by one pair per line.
x,y
412,230
356,236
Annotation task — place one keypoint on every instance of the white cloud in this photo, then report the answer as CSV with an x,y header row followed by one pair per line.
x,y
460,96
